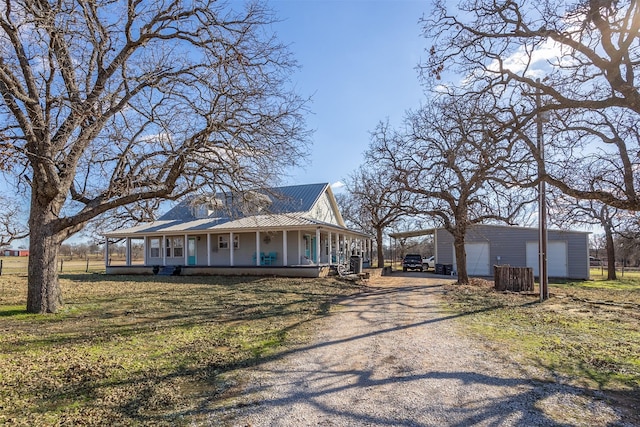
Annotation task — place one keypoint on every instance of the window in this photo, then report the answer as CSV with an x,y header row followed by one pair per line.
x,y
223,241
154,247
178,244
175,246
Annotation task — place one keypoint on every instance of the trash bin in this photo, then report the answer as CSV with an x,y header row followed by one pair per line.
x,y
447,269
356,264
439,269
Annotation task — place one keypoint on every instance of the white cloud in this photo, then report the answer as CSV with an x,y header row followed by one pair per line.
x,y
338,185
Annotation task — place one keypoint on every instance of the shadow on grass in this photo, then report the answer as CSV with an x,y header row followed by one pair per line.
x,y
517,399
148,396
13,312
193,280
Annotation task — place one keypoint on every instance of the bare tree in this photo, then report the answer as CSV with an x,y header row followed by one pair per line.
x,y
11,227
376,201
627,242
453,165
566,210
582,58
112,106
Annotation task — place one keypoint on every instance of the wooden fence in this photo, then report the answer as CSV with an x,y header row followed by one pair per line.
x,y
515,279
18,265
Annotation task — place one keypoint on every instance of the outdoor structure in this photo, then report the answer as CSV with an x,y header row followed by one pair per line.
x,y
489,245
287,231
14,252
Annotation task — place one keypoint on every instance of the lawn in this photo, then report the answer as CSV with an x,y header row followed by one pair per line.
x,y
146,350
588,332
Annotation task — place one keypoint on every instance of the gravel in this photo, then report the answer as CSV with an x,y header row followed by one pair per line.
x,y
392,356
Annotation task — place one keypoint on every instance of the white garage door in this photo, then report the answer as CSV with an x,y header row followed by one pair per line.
x,y
477,258
557,258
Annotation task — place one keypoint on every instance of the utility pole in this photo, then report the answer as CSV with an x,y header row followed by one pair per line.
x,y
542,205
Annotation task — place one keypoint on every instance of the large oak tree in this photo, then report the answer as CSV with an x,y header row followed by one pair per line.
x,y
582,58
113,105
456,169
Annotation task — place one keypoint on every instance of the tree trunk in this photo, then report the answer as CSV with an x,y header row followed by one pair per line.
x,y
380,247
461,259
611,254
43,294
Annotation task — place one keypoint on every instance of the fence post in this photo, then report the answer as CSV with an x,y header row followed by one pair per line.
x,y
87,269
61,261
0,267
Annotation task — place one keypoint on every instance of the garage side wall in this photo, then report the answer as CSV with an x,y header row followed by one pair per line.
x,y
508,245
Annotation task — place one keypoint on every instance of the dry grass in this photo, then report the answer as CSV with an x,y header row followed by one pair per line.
x,y
145,350
587,332
95,264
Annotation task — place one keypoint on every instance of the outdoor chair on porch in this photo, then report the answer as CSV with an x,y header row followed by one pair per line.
x,y
262,256
270,259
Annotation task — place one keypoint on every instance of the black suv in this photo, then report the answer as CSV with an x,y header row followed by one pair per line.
x,y
412,262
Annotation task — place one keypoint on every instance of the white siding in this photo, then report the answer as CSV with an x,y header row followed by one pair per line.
x,y
323,211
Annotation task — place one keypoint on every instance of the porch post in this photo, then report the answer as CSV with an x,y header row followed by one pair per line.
x,y
164,250
258,247
318,254
364,248
299,249
330,246
106,252
208,249
231,263
285,258
127,253
184,249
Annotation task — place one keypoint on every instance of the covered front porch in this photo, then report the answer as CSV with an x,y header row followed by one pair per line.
x,y
298,252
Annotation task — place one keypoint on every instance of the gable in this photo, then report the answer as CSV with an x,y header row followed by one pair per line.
x,y
325,209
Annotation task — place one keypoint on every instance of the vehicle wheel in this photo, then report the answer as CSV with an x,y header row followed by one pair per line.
x,y
404,269
421,270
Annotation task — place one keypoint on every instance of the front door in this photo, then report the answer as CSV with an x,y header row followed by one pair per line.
x,y
191,251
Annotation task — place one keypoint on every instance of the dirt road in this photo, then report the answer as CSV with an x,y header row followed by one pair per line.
x,y
393,357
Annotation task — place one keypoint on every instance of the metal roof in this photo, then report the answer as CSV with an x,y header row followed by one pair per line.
x,y
289,199
414,233
288,209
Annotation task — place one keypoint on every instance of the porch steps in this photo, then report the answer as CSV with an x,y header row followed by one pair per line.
x,y
170,270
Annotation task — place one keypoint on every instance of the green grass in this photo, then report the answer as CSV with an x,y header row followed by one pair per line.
x,y
600,274
145,350
587,331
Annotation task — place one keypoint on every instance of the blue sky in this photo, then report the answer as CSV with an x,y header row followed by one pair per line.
x,y
358,63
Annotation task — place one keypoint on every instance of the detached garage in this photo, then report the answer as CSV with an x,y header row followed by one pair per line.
x,y
489,245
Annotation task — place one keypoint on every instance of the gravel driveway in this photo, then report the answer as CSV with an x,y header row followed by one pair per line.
x,y
393,357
